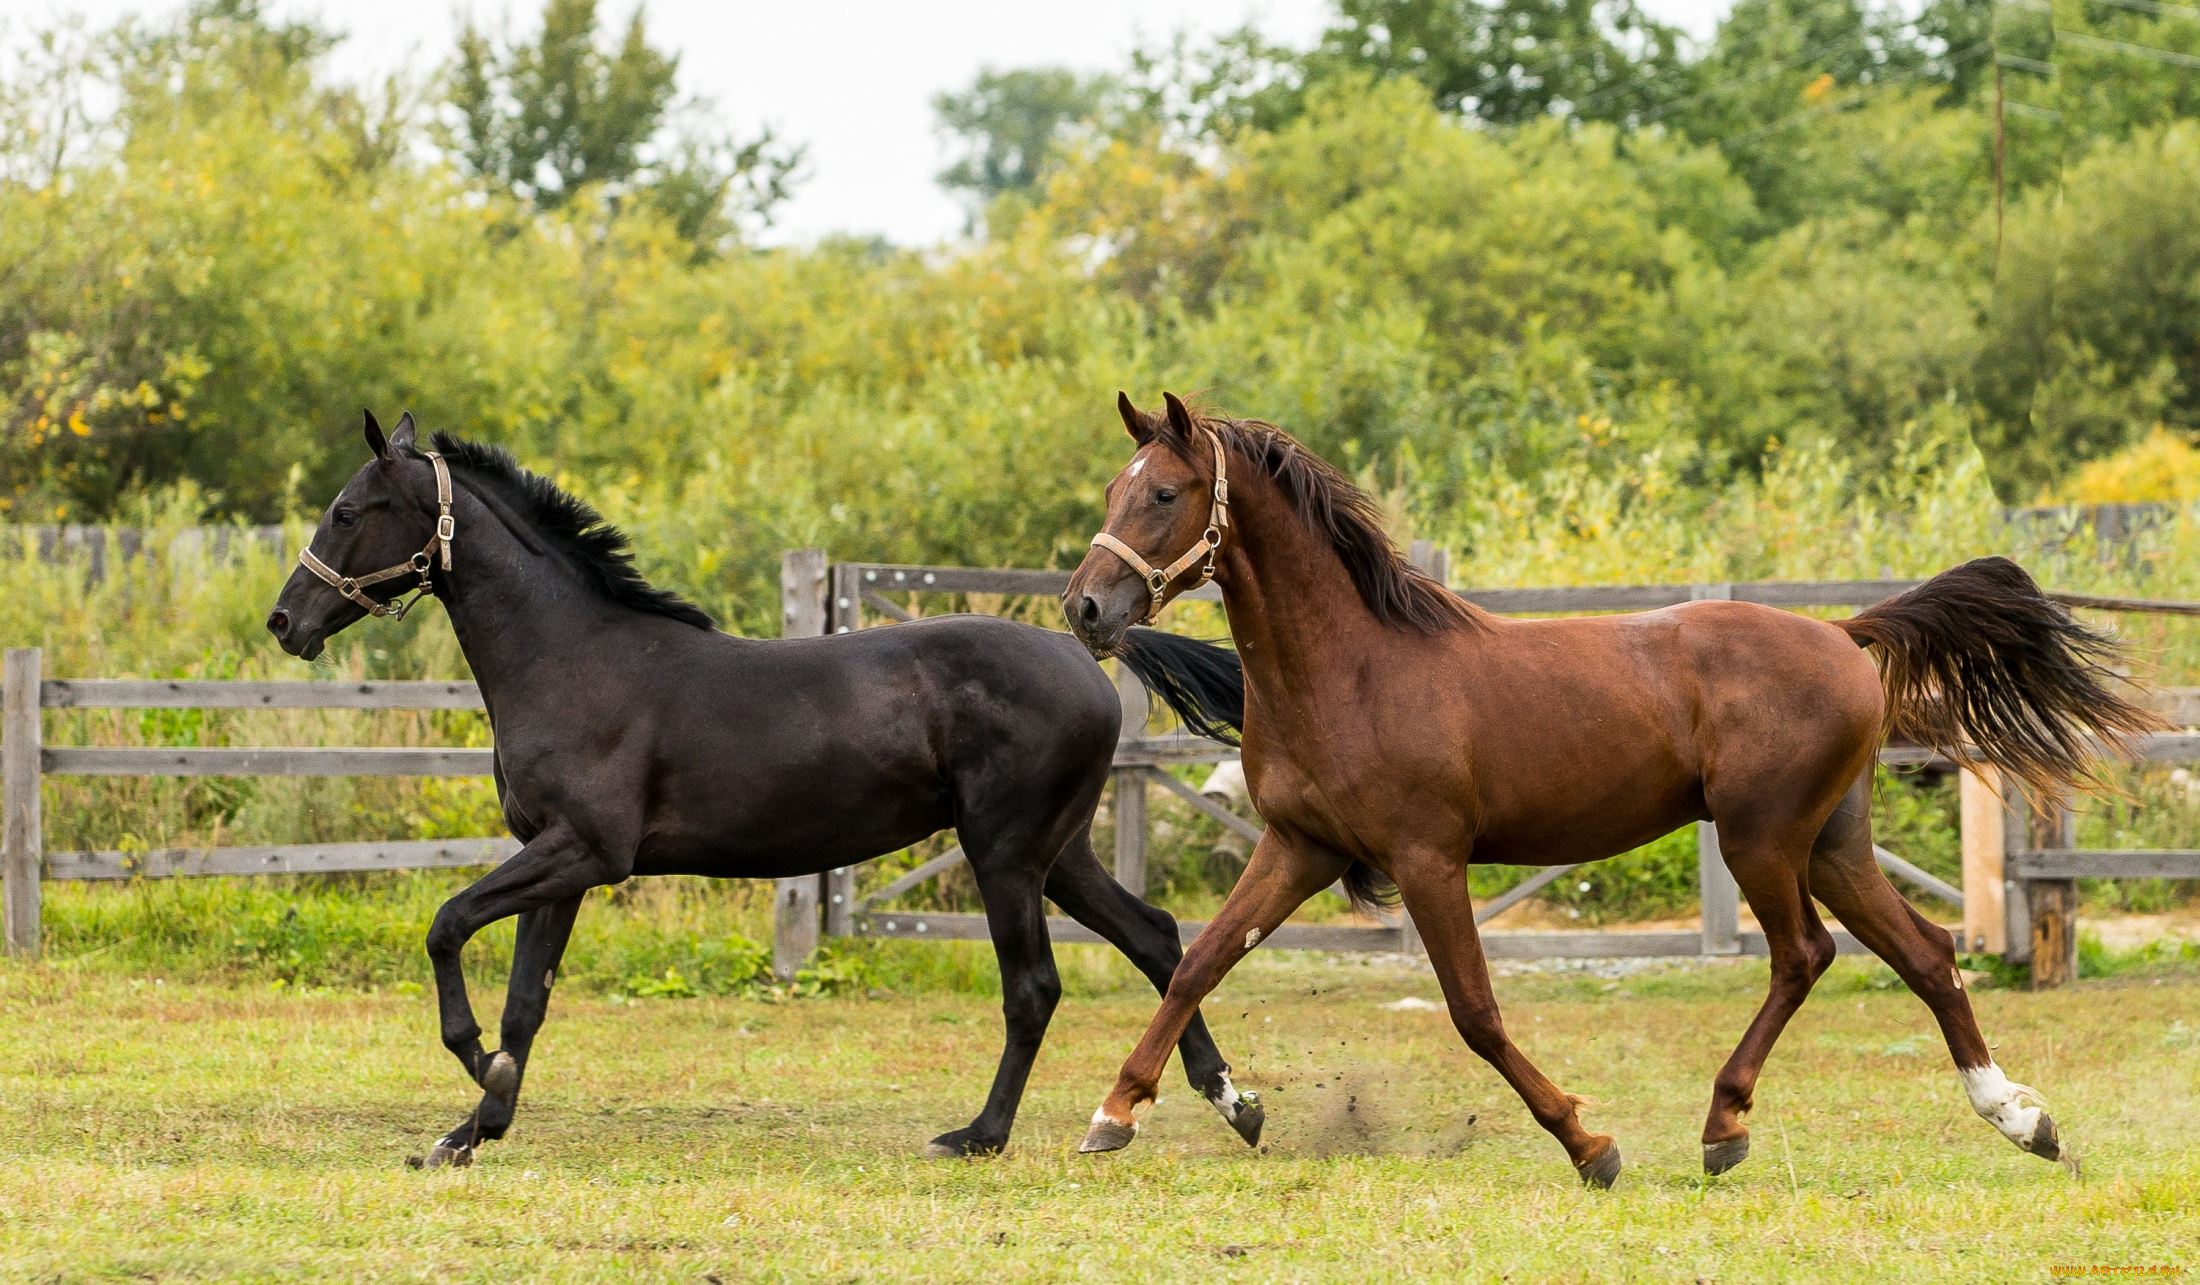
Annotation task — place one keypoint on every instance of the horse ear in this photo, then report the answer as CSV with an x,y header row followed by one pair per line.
x,y
402,437
1180,418
1134,419
375,441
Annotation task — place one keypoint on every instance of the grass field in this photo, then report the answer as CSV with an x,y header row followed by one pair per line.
x,y
159,1131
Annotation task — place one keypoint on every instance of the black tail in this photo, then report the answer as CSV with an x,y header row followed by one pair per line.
x,y
1982,666
1202,681
1205,684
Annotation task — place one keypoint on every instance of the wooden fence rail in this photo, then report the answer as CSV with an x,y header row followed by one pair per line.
x,y
25,759
2017,895
821,596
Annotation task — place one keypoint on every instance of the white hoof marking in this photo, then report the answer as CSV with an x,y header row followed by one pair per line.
x,y
1230,1102
2010,1107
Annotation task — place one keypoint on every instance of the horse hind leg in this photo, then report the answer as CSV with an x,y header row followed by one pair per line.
x,y
1010,875
1845,876
1801,950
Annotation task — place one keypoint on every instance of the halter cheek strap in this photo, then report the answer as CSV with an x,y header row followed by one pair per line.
x,y
1209,543
353,587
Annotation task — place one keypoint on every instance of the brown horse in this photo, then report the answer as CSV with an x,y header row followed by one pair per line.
x,y
1393,732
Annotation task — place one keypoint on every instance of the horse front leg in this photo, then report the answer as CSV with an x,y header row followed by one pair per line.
x,y
555,867
1282,874
542,938
1434,885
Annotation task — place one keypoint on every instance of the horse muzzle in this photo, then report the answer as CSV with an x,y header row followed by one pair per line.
x,y
1100,614
306,615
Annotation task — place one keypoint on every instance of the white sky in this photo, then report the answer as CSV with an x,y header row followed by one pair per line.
x,y
851,79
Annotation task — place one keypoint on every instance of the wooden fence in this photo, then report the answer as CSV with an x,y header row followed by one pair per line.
x,y
2024,865
25,760
2018,868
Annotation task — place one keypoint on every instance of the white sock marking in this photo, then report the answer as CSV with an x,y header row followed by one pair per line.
x,y
2010,1107
1230,1102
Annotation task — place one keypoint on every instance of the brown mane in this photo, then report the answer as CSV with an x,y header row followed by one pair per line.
x,y
1399,594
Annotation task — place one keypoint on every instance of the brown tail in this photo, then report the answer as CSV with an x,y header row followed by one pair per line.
x,y
1982,666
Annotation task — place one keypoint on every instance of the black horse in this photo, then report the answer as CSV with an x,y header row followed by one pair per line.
x,y
634,738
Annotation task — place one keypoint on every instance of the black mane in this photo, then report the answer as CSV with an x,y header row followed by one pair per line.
x,y
1399,594
601,551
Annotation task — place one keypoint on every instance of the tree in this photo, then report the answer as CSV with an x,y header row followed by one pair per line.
x,y
545,120
1008,123
1511,61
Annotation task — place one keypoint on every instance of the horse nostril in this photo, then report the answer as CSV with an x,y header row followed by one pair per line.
x,y
278,622
1088,610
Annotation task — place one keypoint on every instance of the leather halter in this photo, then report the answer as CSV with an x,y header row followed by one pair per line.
x,y
416,565
1210,541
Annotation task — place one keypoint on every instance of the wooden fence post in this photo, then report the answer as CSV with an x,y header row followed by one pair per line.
x,y
794,926
21,837
1429,558
802,576
844,601
1720,895
804,586
1985,925
2053,902
1131,827
2016,900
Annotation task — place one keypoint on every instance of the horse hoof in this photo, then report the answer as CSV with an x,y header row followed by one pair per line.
x,y
455,1157
1602,1171
1718,1157
1241,1111
501,1079
1107,1135
960,1146
1251,1115
2045,1142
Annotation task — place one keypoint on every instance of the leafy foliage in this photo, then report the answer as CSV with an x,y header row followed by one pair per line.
x,y
1511,61
1009,124
547,120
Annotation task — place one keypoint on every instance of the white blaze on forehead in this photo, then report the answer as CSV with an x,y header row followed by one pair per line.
x,y
1137,464
2010,1107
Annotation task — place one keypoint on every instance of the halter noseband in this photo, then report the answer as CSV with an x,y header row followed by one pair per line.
x,y
416,565
1210,541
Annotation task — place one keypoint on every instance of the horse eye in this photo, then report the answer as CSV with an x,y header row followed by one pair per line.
x,y
1165,496
346,517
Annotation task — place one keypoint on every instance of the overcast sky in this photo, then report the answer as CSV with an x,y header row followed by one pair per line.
x,y
851,79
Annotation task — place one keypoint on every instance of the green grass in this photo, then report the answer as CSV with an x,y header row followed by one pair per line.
x,y
204,1132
